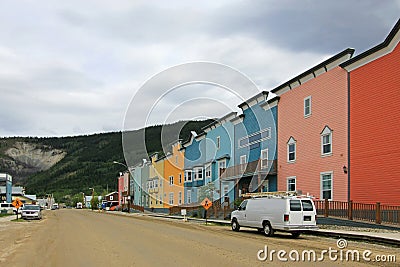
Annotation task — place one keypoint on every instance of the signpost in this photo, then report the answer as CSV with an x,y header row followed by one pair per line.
x,y
183,213
206,203
17,204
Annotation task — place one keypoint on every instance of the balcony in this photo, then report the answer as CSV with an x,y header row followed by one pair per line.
x,y
262,167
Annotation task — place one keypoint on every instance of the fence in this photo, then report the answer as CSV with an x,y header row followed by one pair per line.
x,y
359,211
216,211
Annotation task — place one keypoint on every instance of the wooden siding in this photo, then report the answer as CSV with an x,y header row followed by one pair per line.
x,y
329,108
374,130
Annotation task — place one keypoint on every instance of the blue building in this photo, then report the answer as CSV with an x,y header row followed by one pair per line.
x,y
219,155
7,179
255,146
136,185
194,166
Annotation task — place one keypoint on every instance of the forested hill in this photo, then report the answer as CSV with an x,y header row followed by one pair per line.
x,y
70,165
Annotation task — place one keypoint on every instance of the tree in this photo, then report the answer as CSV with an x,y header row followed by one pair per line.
x,y
206,191
94,202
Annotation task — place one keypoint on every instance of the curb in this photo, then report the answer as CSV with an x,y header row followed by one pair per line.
x,y
324,233
357,237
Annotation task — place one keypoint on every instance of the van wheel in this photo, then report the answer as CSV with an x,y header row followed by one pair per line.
x,y
268,231
235,225
295,234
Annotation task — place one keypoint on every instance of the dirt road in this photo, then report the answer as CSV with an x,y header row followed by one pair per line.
x,y
86,238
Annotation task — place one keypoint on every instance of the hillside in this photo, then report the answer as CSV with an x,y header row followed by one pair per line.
x,y
70,165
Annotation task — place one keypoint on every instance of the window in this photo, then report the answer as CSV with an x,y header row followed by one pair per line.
x,y
243,161
188,176
198,174
307,205
155,183
189,196
208,171
326,141
291,183
171,180
218,142
179,198
171,198
254,139
307,106
295,205
291,150
264,158
226,190
221,167
243,205
326,185
111,198
180,178
176,160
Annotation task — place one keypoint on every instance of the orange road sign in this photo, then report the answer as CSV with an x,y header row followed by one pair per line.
x,y
17,203
206,203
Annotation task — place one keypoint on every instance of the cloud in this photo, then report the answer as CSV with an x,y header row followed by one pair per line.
x,y
73,67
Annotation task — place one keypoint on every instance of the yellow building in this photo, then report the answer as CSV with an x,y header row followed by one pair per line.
x,y
156,182
173,174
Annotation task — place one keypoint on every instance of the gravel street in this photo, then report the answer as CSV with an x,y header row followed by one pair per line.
x,y
72,237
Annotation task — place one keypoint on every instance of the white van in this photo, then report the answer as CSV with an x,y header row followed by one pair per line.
x,y
273,213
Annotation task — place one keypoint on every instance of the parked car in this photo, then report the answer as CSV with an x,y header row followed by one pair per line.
x,y
8,207
31,212
269,214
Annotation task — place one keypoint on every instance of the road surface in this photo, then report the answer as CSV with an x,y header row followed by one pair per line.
x,y
72,237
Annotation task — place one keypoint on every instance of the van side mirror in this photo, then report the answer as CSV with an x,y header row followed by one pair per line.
x,y
239,208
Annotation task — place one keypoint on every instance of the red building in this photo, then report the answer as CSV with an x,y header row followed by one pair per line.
x,y
374,122
312,131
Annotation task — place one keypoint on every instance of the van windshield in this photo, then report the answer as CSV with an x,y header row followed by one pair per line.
x,y
307,205
295,205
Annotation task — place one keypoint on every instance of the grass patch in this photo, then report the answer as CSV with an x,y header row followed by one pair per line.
x,y
5,215
19,220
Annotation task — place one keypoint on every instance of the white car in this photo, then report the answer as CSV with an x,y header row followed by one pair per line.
x,y
269,214
31,212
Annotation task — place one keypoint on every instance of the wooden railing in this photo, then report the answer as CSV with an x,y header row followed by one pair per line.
x,y
359,211
251,168
216,211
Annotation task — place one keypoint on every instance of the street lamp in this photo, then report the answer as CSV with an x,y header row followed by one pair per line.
x,y
92,200
129,184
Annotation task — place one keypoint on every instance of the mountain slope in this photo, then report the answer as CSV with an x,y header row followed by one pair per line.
x,y
70,165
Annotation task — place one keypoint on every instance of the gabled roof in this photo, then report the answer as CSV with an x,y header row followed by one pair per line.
x,y
375,52
225,118
249,102
315,71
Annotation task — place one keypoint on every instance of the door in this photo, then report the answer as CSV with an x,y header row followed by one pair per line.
x,y
241,213
308,212
295,214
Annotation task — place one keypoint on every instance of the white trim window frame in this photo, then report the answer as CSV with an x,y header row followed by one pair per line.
x,y
243,162
307,106
221,166
264,158
171,180
326,142
327,185
188,175
291,182
189,196
207,169
180,198
180,178
171,198
291,150
198,173
218,142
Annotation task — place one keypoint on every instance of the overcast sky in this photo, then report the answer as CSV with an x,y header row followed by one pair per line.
x,y
72,67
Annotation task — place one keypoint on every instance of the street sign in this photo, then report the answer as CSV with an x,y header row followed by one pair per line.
x,y
17,203
206,203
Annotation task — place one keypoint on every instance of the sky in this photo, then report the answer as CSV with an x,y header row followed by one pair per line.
x,y
76,67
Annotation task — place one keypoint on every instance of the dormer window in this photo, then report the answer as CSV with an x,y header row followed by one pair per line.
x,y
326,141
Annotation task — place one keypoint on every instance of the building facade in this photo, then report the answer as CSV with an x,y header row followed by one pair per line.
x,y
374,85
312,129
174,177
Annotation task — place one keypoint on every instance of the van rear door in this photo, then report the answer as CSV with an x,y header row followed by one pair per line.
x,y
295,214
308,212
